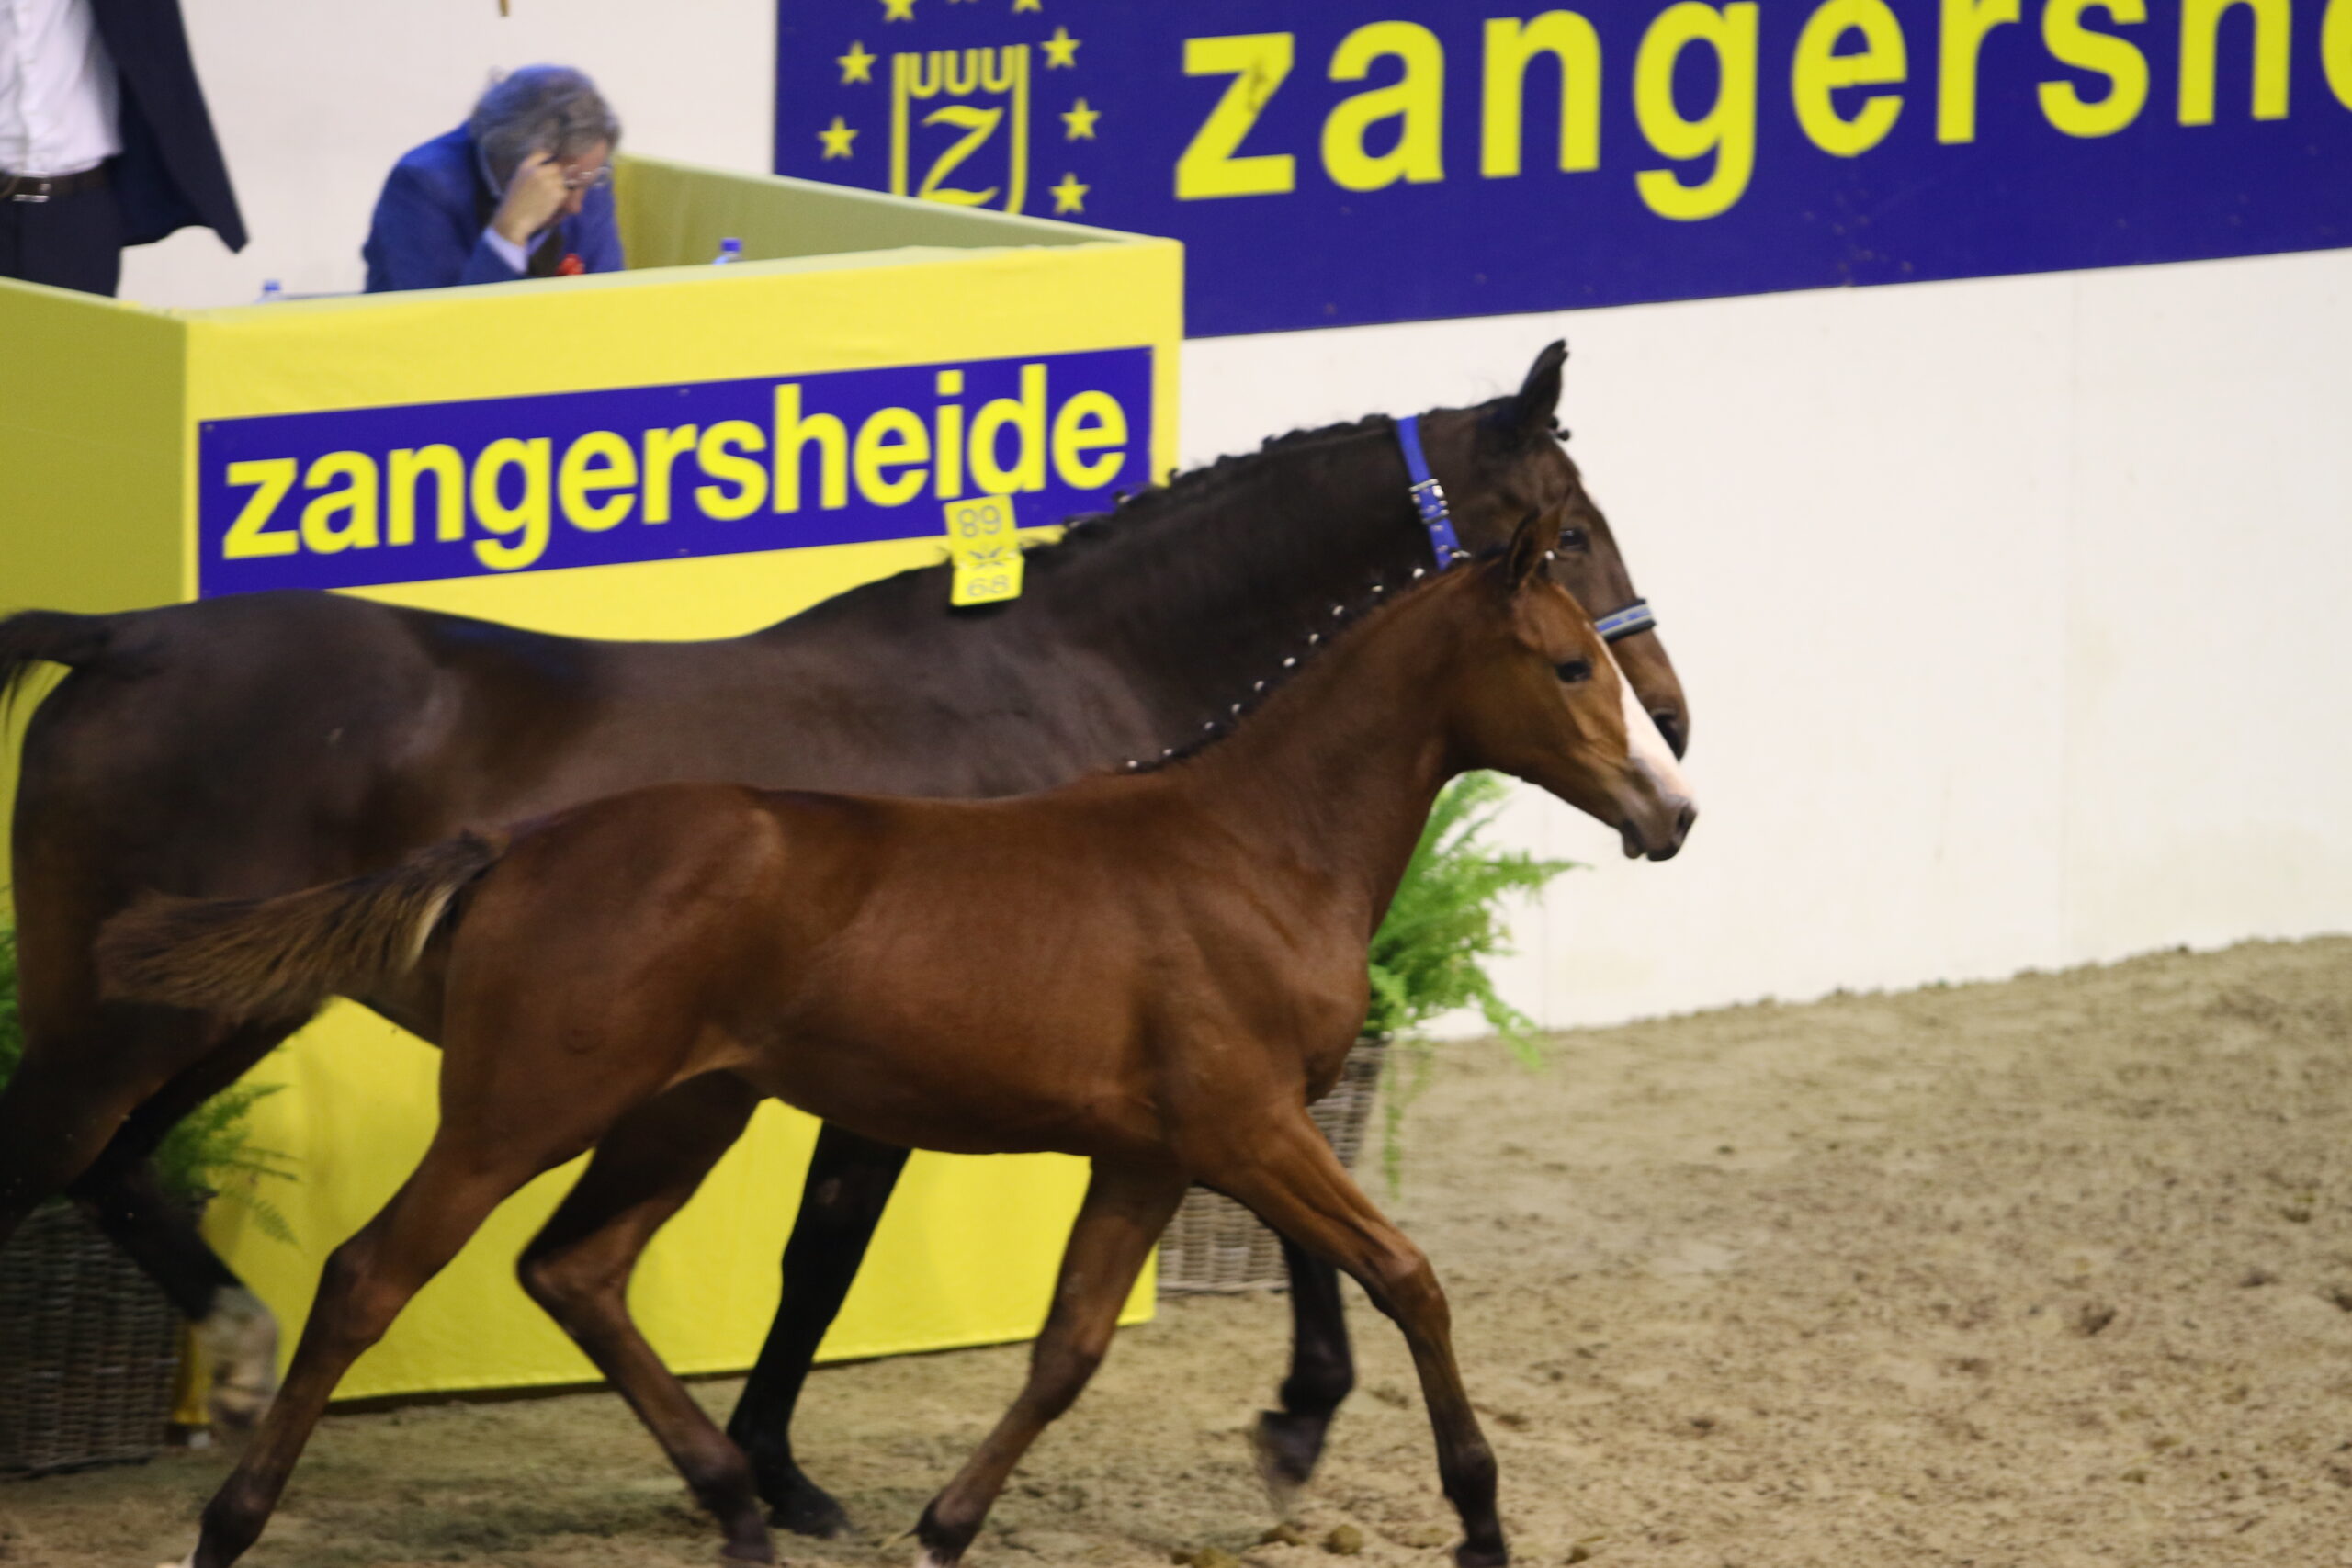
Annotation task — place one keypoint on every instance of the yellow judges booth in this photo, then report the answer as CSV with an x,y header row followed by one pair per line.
x,y
680,450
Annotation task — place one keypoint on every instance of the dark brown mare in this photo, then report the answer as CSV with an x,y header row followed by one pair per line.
x,y
1155,971
254,744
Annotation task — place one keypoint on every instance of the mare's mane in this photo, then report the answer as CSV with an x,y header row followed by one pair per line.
x,y
1249,551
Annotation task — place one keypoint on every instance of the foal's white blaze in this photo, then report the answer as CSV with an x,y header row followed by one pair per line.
x,y
1650,752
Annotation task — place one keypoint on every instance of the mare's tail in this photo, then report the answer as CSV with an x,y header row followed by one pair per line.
x,y
53,636
282,957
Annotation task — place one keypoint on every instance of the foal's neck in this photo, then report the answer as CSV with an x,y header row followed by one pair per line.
x,y
1337,773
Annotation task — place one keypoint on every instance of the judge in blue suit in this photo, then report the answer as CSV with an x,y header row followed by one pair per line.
x,y
522,189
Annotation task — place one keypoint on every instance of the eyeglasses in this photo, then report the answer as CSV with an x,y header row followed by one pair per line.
x,y
596,178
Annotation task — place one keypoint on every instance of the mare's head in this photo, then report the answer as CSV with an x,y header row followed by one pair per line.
x,y
1518,469
1537,695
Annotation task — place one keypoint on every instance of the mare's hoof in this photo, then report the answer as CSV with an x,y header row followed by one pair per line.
x,y
240,1338
1286,1448
747,1551
1469,1556
799,1505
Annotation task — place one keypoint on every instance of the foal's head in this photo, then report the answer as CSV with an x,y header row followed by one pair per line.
x,y
1539,696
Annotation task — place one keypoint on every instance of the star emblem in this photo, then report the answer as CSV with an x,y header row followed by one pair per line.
x,y
837,138
1080,121
897,10
1070,195
856,65
1061,49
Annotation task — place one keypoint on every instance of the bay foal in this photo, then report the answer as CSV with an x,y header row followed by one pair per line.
x,y
1154,971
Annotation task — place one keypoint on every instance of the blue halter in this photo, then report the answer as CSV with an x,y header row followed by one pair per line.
x,y
1429,496
1428,500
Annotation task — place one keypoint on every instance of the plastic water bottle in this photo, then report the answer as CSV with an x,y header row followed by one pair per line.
x,y
272,291
730,250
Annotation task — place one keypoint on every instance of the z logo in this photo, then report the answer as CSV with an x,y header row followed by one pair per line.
x,y
962,74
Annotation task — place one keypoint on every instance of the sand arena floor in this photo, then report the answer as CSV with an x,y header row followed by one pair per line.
x,y
2055,1272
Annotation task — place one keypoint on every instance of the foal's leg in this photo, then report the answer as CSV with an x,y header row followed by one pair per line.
x,y
1125,1210
366,1281
577,1268
1322,1373
1296,1184
849,1184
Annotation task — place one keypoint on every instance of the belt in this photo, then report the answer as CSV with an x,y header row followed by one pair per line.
x,y
42,187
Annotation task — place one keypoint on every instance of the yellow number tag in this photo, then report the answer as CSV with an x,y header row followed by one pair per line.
x,y
985,544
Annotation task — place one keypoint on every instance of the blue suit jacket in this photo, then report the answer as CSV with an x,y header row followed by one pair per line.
x,y
427,231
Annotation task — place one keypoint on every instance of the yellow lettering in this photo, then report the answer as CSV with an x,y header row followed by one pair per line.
x,y
250,537
449,471
1728,128
1417,101
663,448
1207,168
793,434
892,438
1089,422
354,503
1959,42
2125,68
2335,50
1027,418
948,439
598,461
1512,46
721,457
2200,22
528,517
1819,72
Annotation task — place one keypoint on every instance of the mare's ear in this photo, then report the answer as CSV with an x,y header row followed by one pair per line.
x,y
1530,410
1530,546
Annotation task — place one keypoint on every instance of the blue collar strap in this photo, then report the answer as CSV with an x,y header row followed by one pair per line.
x,y
1429,496
1634,619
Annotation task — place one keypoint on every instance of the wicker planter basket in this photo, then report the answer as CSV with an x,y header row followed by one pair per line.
x,y
1215,1244
89,1349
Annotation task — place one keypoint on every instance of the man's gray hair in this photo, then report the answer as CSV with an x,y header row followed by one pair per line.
x,y
540,108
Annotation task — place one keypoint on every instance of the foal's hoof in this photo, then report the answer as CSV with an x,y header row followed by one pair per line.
x,y
1469,1556
1286,1448
799,1505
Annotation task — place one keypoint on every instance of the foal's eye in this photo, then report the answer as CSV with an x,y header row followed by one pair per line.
x,y
1573,670
1574,538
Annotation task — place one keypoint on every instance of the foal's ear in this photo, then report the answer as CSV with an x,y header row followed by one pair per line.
x,y
1530,548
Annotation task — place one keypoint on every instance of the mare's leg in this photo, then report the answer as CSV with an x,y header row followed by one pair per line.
x,y
120,1191
577,1268
1125,1209
1322,1373
1294,1183
76,1116
849,1184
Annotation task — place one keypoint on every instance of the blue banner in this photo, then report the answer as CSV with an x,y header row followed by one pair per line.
x,y
1333,162
354,497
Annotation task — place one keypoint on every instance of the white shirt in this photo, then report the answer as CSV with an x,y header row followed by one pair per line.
x,y
60,100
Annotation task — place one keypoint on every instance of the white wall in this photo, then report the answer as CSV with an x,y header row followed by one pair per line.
x,y
2011,610
2012,614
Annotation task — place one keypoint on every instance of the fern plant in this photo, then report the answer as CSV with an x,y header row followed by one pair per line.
x,y
1430,955
210,1154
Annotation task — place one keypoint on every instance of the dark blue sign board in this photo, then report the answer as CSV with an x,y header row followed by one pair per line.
x,y
1337,162
347,498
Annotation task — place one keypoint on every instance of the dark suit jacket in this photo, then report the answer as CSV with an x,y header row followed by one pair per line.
x,y
170,174
429,223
